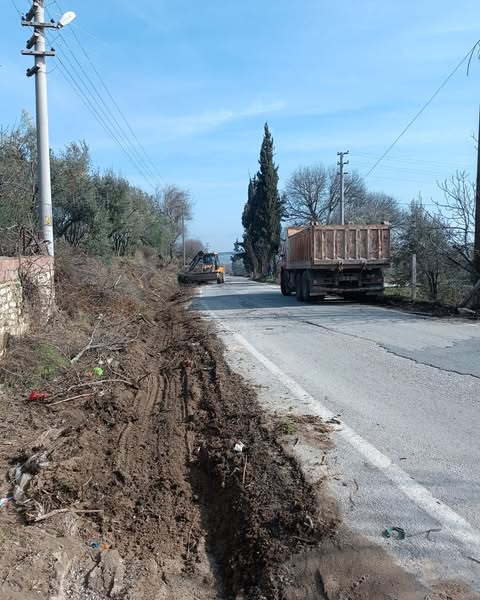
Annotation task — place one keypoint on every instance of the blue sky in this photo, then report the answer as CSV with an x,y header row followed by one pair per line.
x,y
197,80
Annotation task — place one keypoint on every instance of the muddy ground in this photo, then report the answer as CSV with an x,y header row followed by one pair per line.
x,y
136,489
160,477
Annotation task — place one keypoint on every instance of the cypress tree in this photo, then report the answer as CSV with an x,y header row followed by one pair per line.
x,y
262,214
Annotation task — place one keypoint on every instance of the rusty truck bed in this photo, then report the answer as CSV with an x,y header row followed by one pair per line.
x,y
336,245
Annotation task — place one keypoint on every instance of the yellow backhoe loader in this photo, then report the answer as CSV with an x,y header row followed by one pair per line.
x,y
205,267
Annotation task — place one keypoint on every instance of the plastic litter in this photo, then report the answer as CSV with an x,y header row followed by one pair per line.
x,y
95,372
22,473
4,501
394,532
239,446
34,396
99,546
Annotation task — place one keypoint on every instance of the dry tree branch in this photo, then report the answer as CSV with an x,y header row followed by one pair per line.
x,y
89,346
59,511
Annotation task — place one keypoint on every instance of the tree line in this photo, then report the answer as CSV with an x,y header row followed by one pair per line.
x,y
442,239
100,212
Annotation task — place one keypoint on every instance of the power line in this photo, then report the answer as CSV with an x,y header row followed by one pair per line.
x,y
115,103
118,108
82,86
469,53
404,169
16,8
411,160
137,162
107,114
93,110
400,178
84,97
97,111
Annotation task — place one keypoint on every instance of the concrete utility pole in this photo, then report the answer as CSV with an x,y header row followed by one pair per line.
x,y
413,283
476,243
36,18
341,164
414,277
183,240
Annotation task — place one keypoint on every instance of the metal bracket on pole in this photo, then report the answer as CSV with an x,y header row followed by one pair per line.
x,y
39,25
38,52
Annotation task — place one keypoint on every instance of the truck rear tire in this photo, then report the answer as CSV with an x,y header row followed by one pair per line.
x,y
306,287
286,291
298,287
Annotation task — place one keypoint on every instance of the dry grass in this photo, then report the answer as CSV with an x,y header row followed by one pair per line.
x,y
100,306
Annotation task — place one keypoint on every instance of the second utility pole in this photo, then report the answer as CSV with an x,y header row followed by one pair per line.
x,y
476,243
183,240
341,163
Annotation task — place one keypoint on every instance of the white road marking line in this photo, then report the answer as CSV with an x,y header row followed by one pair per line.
x,y
451,522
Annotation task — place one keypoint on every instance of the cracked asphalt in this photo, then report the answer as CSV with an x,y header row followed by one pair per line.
x,y
408,391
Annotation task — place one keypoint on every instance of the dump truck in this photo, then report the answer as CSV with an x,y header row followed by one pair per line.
x,y
204,267
345,260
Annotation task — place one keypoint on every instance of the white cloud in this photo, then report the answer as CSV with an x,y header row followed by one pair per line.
x,y
192,124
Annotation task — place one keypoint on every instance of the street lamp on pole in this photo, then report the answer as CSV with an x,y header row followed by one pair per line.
x,y
36,18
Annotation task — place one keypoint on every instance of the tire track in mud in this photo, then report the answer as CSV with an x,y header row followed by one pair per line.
x,y
253,510
136,431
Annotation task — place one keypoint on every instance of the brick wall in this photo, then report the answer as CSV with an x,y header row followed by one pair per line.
x,y
20,277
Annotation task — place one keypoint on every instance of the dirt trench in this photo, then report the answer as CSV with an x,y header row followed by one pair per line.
x,y
179,512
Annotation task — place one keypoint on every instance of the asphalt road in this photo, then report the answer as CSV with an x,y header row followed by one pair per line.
x,y
407,450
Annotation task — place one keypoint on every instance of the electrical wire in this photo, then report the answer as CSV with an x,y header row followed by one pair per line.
x,y
403,169
118,108
93,110
469,53
109,113
400,178
105,111
16,8
78,85
95,104
115,103
410,160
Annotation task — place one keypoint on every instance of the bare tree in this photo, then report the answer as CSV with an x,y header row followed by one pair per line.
x,y
458,210
426,236
176,206
18,191
374,207
192,247
306,197
313,194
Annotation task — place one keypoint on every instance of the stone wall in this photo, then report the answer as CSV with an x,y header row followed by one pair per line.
x,y
24,282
